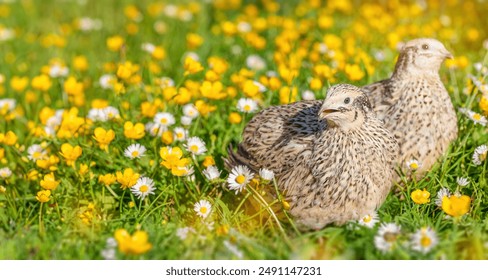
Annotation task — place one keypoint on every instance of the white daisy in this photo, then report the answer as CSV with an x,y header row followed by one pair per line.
x,y
386,237
413,164
477,118
96,114
107,81
244,27
143,187
266,174
6,34
247,105
148,47
8,103
182,233
57,70
155,129
479,154
203,208
308,95
440,195
424,240
35,152
171,10
255,62
462,182
108,254
190,111
193,55
166,82
5,172
260,86
185,120
211,172
135,151
111,112
195,145
86,24
180,133
164,119
239,177
369,220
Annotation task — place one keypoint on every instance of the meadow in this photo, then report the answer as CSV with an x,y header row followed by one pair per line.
x,y
115,117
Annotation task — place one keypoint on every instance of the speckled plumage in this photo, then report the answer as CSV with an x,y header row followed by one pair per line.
x,y
333,160
415,105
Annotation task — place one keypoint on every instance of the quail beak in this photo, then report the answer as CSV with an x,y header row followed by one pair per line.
x,y
447,54
324,113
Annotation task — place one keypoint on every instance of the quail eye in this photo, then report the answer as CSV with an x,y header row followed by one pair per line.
x,y
425,46
347,100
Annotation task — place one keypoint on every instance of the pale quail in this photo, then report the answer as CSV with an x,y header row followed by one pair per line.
x,y
334,161
415,105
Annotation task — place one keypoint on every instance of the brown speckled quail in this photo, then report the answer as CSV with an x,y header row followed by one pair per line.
x,y
333,159
415,105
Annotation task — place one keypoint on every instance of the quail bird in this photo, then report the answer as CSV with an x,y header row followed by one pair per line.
x,y
415,105
334,160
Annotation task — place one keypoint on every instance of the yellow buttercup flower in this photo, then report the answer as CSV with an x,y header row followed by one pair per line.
x,y
18,84
135,244
213,90
208,161
48,163
204,108
80,63
43,196
173,160
49,182
70,153
41,82
192,66
235,118
456,205
420,196
107,179
103,137
9,138
354,72
128,178
115,43
134,131
72,87
193,41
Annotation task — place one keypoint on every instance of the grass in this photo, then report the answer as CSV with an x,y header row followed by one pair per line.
x,y
83,213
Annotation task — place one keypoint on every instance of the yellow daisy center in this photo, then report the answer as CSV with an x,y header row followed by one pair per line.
x,y
194,148
135,153
477,116
143,188
367,219
203,210
390,237
240,179
483,156
414,165
425,241
36,155
179,135
164,121
247,108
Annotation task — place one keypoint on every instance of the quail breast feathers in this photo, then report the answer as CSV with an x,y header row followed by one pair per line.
x,y
415,105
333,159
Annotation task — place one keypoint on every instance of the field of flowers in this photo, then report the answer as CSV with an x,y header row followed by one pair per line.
x,y
115,117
